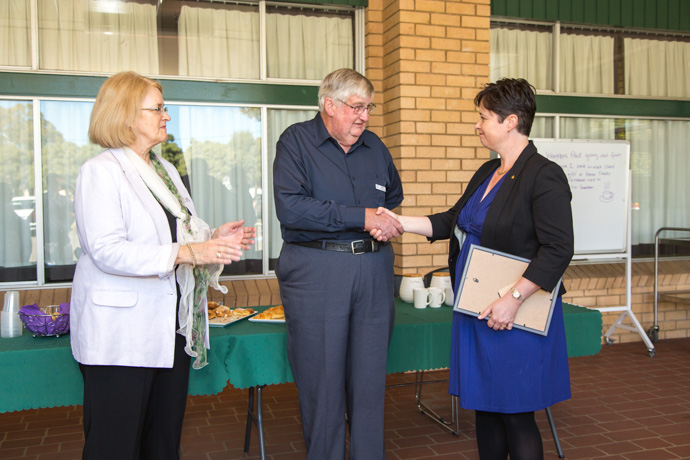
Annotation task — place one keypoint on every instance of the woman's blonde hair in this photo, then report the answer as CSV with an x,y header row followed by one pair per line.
x,y
117,104
343,83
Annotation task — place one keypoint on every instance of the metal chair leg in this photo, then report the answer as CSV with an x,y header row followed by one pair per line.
x,y
256,417
554,433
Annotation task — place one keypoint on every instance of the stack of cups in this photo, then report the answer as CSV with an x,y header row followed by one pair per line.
x,y
10,323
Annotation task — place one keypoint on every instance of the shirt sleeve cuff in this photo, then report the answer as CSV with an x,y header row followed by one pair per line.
x,y
354,217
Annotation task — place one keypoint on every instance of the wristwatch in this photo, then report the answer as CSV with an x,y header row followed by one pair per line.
x,y
516,295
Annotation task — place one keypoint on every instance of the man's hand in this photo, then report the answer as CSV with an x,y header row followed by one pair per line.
x,y
382,225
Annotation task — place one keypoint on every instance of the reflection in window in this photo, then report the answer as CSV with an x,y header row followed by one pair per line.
x,y
278,121
64,148
18,217
521,51
219,42
221,147
14,33
305,44
103,36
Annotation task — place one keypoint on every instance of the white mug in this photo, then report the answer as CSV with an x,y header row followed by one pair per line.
x,y
450,298
422,297
437,296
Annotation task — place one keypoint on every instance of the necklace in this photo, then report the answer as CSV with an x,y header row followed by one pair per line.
x,y
501,173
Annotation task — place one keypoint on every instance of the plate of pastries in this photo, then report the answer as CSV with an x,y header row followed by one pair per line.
x,y
270,315
222,315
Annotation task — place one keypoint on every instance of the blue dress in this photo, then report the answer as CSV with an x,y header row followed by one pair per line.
x,y
503,371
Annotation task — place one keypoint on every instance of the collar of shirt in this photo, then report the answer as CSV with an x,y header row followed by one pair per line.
x,y
322,135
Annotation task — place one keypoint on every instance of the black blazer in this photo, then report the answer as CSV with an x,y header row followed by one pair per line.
x,y
529,217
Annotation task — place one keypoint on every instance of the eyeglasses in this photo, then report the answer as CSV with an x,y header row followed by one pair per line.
x,y
359,109
158,110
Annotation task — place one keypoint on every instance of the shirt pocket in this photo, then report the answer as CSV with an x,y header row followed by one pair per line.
x,y
372,190
122,299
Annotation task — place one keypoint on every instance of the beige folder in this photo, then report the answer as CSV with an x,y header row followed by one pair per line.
x,y
490,274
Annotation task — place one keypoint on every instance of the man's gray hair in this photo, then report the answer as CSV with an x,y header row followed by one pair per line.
x,y
343,83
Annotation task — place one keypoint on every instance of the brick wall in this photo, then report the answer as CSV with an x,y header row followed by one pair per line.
x,y
603,285
427,59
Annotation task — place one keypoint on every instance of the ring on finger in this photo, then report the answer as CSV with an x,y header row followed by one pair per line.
x,y
218,254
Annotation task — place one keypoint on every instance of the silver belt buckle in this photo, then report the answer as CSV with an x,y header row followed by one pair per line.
x,y
352,246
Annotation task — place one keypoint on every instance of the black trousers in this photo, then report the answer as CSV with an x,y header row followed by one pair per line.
x,y
135,412
339,317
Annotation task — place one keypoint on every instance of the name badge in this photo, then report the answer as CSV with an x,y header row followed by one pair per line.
x,y
380,188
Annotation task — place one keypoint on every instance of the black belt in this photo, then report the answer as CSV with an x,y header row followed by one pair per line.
x,y
354,247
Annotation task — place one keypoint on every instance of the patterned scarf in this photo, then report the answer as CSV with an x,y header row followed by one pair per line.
x,y
193,281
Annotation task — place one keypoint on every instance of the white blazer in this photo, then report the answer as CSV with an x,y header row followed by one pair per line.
x,y
124,296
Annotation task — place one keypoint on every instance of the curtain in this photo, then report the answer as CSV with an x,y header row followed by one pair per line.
x,y
586,64
278,121
657,68
15,20
218,43
588,128
542,127
308,46
660,165
17,217
522,54
659,148
80,35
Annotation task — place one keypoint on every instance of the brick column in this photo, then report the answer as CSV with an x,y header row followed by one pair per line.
x,y
427,59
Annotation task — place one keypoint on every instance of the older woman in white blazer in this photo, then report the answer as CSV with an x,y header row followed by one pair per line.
x,y
138,307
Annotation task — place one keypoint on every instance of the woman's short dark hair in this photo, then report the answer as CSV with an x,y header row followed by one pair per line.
x,y
510,96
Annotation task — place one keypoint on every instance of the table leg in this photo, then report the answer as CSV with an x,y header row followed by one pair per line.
x,y
256,417
424,409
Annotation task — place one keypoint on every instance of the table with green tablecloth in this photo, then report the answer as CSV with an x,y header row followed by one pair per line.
x,y
40,372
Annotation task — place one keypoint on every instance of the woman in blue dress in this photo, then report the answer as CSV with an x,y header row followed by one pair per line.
x,y
518,204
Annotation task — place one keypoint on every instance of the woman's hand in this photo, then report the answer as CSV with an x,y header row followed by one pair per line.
x,y
214,251
501,313
377,233
243,236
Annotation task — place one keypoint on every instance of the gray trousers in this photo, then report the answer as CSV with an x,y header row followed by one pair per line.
x,y
339,315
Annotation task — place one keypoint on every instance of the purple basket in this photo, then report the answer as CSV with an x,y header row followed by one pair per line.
x,y
46,325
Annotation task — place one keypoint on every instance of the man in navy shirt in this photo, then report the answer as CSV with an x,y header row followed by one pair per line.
x,y
336,283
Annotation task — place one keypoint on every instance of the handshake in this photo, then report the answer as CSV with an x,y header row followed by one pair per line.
x,y
382,224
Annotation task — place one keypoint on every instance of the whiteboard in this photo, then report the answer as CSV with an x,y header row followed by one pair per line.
x,y
600,183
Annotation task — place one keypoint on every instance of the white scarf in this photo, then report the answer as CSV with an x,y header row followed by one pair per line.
x,y
199,232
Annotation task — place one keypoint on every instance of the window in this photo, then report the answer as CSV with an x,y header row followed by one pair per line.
x,y
610,62
222,145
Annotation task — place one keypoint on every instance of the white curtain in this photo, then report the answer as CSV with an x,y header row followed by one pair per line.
x,y
588,128
659,149
218,43
657,68
97,36
542,127
522,54
278,120
308,47
660,163
15,24
586,64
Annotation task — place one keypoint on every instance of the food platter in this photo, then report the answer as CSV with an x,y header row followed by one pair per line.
x,y
275,315
223,321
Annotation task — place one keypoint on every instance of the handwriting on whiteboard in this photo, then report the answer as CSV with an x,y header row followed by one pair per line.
x,y
588,171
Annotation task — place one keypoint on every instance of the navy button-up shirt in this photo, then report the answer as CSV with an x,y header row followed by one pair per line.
x,y
321,192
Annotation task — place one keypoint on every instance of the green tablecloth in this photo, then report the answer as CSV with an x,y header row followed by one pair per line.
x,y
40,372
